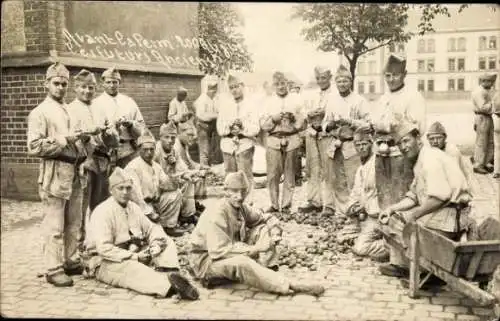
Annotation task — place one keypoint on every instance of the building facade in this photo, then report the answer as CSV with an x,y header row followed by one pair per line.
x,y
444,64
154,59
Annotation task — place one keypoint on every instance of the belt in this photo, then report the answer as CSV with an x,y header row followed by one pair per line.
x,y
123,141
101,154
482,113
69,159
240,136
458,206
348,139
149,199
282,134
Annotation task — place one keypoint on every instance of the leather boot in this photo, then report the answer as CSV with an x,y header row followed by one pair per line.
x,y
480,170
393,270
59,279
308,208
174,231
311,289
182,286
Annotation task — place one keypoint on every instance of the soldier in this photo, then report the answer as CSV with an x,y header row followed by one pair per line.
x,y
51,137
317,143
154,191
178,111
363,204
482,98
97,164
236,242
172,155
345,114
238,127
438,198
122,242
282,121
436,135
400,103
207,108
117,109
496,134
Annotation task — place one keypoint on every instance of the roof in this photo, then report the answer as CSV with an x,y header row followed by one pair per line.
x,y
473,17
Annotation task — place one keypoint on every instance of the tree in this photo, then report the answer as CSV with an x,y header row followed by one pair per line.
x,y
222,47
353,30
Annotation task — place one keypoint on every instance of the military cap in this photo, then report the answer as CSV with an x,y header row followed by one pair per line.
x,y
119,176
436,128
491,76
236,180
168,129
342,71
363,134
233,80
85,76
321,70
395,63
57,70
181,89
404,129
111,73
279,76
146,137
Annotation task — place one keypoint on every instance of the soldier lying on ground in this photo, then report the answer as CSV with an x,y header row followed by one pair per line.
x,y
121,243
236,242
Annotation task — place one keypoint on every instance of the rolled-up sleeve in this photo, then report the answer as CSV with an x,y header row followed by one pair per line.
x,y
437,184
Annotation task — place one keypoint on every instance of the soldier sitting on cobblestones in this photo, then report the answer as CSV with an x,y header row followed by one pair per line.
x,y
364,203
236,242
121,243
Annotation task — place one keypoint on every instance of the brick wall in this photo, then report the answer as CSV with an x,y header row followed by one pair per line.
x,y
23,89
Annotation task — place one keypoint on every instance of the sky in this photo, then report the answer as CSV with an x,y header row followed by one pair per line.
x,y
276,43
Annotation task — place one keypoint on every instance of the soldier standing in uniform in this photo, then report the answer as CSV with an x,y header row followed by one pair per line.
x,y
178,110
117,109
62,150
207,109
344,115
482,98
238,127
317,143
282,121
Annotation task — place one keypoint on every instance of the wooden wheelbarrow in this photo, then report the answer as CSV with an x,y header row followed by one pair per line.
x,y
459,264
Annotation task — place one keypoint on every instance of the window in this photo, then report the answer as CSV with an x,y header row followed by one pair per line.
x,y
482,43
421,46
461,64
451,84
421,65
482,63
461,84
492,62
371,67
431,45
452,45
421,85
451,64
361,68
371,87
430,85
430,65
492,44
462,44
361,87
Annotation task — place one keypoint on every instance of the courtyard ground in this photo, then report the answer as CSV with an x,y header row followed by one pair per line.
x,y
355,289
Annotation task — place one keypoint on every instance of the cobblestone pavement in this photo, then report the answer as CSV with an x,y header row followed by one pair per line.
x,y
355,289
